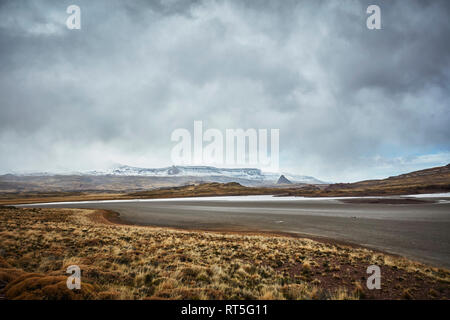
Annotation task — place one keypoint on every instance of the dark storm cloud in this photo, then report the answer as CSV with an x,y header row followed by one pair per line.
x,y
350,102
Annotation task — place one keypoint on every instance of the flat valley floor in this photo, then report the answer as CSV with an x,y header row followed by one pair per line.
x,y
419,230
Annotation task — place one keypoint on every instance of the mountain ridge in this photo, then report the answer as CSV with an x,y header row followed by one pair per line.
x,y
254,175
26,189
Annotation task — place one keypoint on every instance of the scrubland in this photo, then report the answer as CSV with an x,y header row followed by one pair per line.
x,y
132,262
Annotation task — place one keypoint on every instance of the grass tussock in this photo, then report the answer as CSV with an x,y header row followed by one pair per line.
x,y
129,262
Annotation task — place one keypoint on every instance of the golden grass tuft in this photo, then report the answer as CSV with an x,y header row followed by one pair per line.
x,y
33,286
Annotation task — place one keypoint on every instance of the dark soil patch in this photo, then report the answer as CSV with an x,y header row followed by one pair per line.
x,y
387,201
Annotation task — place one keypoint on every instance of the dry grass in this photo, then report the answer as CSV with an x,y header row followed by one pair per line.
x,y
194,190
129,262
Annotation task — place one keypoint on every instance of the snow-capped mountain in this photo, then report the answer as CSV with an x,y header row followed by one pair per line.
x,y
251,174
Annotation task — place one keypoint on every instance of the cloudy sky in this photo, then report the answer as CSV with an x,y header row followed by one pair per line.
x,y
350,103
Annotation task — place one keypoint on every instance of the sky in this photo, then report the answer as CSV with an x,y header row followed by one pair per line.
x,y
351,103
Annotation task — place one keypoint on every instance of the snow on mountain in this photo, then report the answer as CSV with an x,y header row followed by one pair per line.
x,y
251,174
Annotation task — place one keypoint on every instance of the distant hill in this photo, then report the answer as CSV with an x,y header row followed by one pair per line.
x,y
244,174
20,189
433,180
283,180
129,179
205,189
